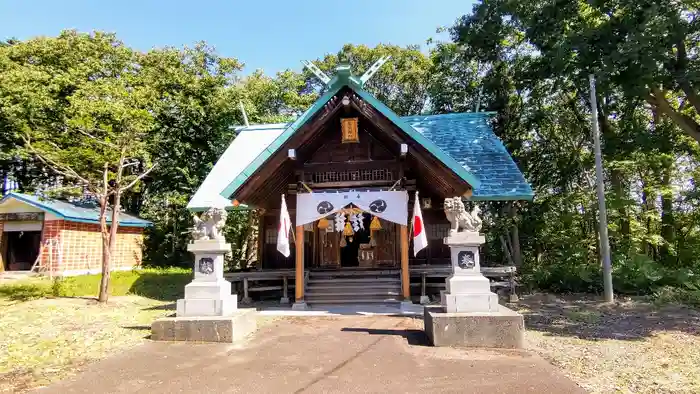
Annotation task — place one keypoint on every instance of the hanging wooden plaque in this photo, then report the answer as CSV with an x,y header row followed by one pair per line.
x,y
349,130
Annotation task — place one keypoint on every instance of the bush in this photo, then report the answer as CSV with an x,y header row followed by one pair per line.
x,y
161,284
564,278
636,275
157,283
677,295
25,292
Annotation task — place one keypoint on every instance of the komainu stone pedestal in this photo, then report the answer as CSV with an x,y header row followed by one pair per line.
x,y
209,294
470,314
209,312
467,289
503,328
205,329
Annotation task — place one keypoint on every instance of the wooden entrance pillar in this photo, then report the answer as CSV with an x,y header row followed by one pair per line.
x,y
405,275
299,279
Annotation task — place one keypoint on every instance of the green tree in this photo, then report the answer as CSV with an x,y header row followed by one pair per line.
x,y
195,106
77,104
278,99
530,63
646,48
401,83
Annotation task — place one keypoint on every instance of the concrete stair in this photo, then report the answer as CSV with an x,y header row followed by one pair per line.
x,y
354,286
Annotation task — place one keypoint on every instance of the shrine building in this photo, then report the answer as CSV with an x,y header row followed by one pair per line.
x,y
349,169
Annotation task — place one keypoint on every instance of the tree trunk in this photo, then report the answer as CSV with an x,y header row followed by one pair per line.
x,y
515,237
667,218
111,245
506,250
252,241
103,294
647,222
617,180
660,104
539,254
650,209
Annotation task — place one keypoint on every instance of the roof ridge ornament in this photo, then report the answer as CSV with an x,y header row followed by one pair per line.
x,y
317,71
372,70
343,71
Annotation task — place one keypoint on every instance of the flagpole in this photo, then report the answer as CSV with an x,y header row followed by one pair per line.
x,y
417,233
410,225
294,235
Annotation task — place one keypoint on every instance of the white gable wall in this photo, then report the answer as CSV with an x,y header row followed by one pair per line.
x,y
245,148
15,206
12,205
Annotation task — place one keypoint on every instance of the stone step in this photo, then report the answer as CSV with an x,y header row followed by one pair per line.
x,y
363,278
358,293
352,286
358,278
353,273
325,300
338,281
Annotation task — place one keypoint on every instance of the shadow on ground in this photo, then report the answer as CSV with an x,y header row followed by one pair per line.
x,y
24,292
586,317
164,307
166,286
138,328
274,308
413,337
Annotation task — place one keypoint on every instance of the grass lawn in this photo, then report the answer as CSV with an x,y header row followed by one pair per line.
x,y
45,338
160,284
630,346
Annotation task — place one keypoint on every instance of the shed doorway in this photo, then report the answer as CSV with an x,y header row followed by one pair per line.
x,y
20,249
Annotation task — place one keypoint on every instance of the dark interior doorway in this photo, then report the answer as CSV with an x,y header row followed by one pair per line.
x,y
22,249
349,255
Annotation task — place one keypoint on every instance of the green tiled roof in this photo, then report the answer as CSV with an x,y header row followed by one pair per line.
x,y
338,82
73,212
464,142
279,141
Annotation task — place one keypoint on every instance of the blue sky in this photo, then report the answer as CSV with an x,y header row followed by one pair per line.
x,y
267,34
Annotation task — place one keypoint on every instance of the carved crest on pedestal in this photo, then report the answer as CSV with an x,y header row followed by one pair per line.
x,y
206,265
465,259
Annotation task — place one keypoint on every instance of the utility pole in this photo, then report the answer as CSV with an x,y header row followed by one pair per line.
x,y
602,211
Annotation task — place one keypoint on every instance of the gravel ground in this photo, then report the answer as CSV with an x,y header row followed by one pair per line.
x,y
627,347
630,346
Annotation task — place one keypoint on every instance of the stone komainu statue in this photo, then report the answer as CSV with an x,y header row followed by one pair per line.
x,y
209,226
459,218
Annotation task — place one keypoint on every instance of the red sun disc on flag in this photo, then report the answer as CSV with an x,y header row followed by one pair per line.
x,y
417,226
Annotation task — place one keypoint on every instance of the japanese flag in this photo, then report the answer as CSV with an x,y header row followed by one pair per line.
x,y
283,231
420,241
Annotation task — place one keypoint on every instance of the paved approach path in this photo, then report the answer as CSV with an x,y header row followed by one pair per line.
x,y
346,354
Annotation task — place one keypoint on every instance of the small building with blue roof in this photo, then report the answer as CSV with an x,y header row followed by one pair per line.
x,y
62,238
